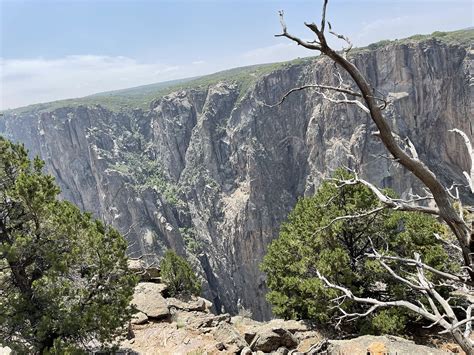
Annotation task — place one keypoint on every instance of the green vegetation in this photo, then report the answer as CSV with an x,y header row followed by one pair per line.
x,y
192,244
140,97
178,275
148,173
463,37
313,240
64,278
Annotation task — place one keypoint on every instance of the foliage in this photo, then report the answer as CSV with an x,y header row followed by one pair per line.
x,y
311,240
192,244
64,278
148,173
178,275
140,97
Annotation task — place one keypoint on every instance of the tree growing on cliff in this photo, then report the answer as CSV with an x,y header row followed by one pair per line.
x,y
178,275
446,201
64,279
317,236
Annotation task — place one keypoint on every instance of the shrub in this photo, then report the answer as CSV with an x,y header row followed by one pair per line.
x,y
64,275
313,240
179,276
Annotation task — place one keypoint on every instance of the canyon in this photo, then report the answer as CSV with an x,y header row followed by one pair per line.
x,y
210,167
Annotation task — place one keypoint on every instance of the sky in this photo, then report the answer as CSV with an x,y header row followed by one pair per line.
x,y
52,49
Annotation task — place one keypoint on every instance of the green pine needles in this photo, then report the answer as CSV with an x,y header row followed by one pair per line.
x,y
178,275
64,279
312,239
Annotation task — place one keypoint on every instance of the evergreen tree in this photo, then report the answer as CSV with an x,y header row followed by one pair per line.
x,y
314,239
63,275
178,275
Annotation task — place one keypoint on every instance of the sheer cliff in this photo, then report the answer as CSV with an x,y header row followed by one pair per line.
x,y
211,170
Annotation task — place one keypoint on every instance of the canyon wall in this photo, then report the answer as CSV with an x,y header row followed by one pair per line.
x,y
212,171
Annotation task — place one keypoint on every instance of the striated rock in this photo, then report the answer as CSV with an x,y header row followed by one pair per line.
x,y
149,300
268,340
378,345
292,326
146,273
139,318
226,334
191,304
208,321
211,172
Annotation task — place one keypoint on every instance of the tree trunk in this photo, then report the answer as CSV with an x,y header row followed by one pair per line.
x,y
463,342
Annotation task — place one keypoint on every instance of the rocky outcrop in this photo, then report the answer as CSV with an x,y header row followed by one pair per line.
x,y
148,300
195,330
212,171
379,345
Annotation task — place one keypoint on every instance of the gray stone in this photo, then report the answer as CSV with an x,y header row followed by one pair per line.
x,y
242,165
148,299
270,339
139,318
380,344
226,334
190,304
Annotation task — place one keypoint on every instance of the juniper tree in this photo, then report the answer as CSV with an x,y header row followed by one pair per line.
x,y
318,236
64,279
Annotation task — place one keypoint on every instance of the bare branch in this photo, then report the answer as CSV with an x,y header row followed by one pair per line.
x,y
457,325
396,204
412,148
354,216
344,38
376,303
301,42
323,17
452,245
413,262
314,86
468,330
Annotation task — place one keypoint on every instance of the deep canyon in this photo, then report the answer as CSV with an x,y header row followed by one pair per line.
x,y
211,168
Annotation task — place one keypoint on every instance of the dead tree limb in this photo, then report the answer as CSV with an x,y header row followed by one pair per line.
x,y
441,313
445,206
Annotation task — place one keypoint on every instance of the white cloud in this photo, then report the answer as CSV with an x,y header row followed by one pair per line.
x,y
36,80
405,26
276,53
27,81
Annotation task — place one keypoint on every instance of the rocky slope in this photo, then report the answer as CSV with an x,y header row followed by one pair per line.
x,y
212,170
167,325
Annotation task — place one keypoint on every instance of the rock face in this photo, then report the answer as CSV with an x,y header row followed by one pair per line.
x,y
148,300
379,345
212,172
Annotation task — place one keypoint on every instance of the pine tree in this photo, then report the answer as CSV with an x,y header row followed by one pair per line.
x,y
314,239
64,279
178,275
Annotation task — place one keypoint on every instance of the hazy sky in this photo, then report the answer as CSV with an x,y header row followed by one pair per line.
x,y
60,49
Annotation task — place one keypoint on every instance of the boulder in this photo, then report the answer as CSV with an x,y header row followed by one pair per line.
x,y
148,299
270,339
150,273
209,305
227,335
377,345
292,326
208,321
139,318
190,304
